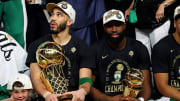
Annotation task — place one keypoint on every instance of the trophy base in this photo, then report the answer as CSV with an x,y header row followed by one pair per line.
x,y
65,97
130,92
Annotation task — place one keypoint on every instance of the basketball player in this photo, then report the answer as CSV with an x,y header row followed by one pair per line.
x,y
166,62
116,54
61,19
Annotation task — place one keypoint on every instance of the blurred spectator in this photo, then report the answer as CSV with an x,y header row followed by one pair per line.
x,y
14,18
153,21
122,5
89,12
37,22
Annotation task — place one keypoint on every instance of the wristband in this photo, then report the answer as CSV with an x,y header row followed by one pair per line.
x,y
84,80
141,98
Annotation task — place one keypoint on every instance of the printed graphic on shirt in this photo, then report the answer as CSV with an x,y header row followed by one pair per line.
x,y
175,72
115,73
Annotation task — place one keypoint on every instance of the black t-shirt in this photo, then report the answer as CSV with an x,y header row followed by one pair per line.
x,y
112,65
77,57
166,59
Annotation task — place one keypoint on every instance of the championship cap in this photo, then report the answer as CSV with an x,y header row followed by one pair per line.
x,y
65,6
113,15
22,78
177,11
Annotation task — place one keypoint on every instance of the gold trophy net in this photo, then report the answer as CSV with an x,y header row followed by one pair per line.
x,y
51,59
55,77
133,82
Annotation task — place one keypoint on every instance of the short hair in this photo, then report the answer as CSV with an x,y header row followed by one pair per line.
x,y
17,84
177,17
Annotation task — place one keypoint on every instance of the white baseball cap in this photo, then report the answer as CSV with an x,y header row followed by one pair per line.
x,y
65,6
113,15
177,11
22,78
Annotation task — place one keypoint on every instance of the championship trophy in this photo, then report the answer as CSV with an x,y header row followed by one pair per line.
x,y
133,82
51,59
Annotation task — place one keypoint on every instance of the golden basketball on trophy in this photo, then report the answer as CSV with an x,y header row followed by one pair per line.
x,y
133,82
49,53
51,59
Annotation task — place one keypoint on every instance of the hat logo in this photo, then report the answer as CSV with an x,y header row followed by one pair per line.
x,y
118,16
113,13
64,6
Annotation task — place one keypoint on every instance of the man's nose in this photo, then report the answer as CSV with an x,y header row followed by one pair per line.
x,y
52,17
114,28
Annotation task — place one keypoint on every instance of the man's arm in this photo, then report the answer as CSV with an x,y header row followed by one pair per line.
x,y
100,96
85,72
146,93
38,84
127,12
161,8
84,88
161,80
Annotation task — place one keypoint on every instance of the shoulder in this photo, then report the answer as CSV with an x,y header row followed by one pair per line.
x,y
164,43
39,41
162,48
100,44
77,41
134,43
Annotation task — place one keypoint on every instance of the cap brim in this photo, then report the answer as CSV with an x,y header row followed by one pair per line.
x,y
113,20
51,6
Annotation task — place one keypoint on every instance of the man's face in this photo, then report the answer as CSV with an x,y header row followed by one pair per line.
x,y
115,30
58,21
177,25
20,95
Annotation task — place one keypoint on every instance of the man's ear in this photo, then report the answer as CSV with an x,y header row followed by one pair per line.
x,y
174,23
69,22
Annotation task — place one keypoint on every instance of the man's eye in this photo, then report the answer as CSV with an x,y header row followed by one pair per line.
x,y
59,14
117,24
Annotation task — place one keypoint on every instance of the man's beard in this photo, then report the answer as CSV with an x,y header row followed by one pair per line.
x,y
60,28
116,40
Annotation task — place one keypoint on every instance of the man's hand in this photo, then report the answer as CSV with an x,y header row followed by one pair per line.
x,y
122,98
127,12
78,95
51,97
160,13
118,98
133,99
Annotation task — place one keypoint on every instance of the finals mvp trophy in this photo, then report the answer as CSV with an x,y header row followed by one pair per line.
x,y
51,59
133,82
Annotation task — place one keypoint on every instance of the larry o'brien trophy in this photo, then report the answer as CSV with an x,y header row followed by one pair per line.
x,y
133,82
51,59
